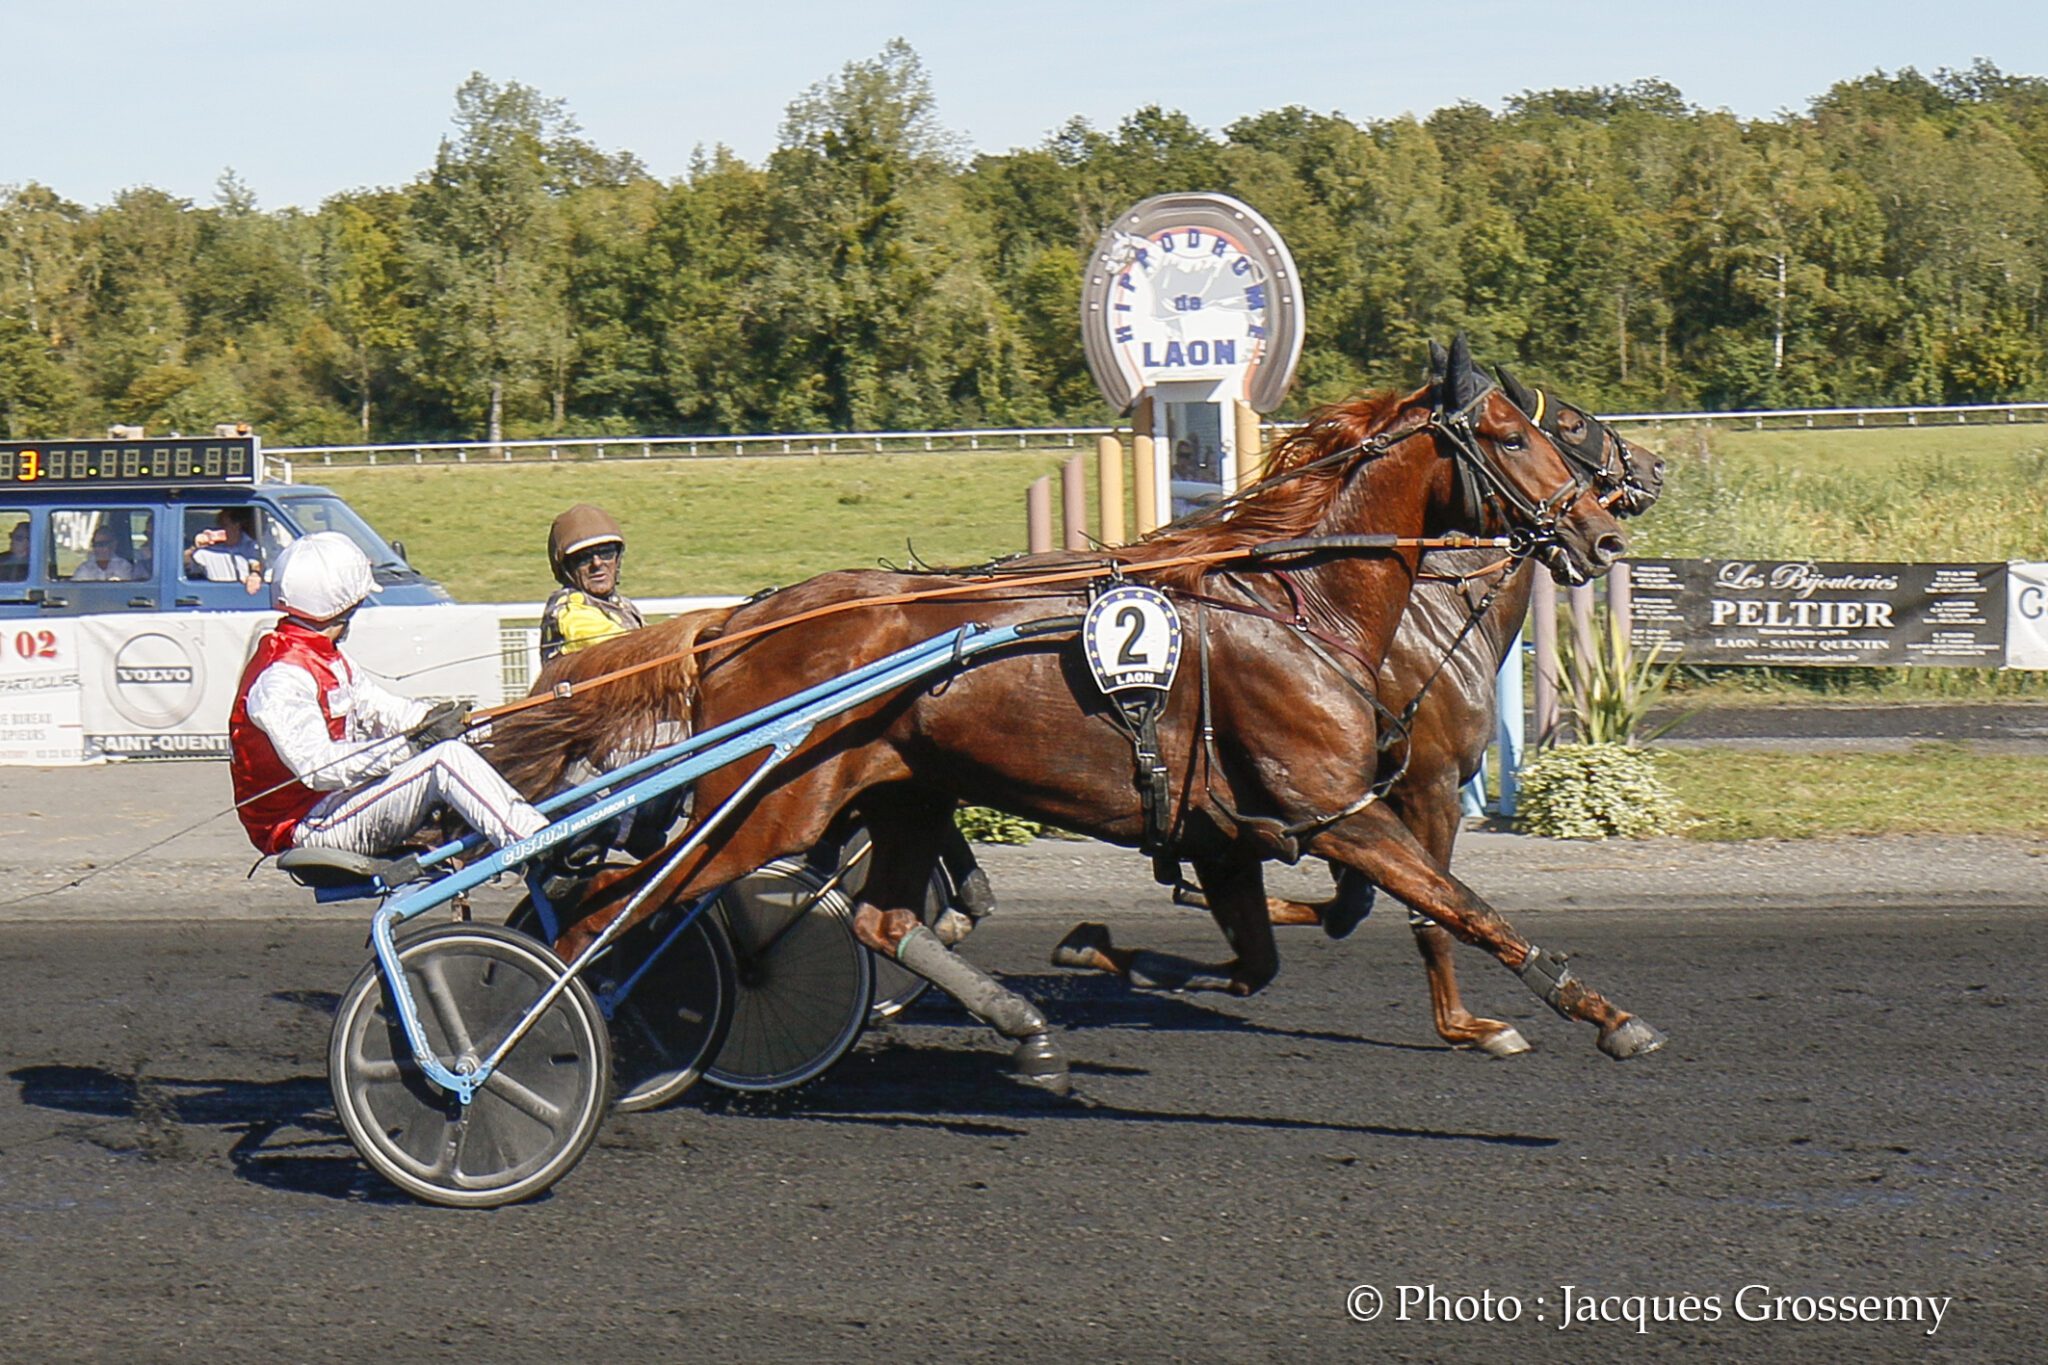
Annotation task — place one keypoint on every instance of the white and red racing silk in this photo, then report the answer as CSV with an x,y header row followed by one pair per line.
x,y
306,722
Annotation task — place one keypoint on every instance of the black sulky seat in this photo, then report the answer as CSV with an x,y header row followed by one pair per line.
x,y
329,869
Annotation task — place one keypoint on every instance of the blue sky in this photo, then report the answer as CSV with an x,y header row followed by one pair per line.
x,y
304,100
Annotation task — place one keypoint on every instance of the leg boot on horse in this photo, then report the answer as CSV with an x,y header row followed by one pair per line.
x,y
906,845
1376,843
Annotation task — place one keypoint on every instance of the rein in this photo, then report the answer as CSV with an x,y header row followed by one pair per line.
x,y
565,690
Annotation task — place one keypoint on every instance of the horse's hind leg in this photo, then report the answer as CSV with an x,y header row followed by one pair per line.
x,y
1376,843
907,837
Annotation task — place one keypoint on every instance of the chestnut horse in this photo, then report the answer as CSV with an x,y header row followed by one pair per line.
x,y
1269,739
1443,663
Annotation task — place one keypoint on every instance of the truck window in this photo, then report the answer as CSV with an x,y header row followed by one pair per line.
x,y
102,545
14,563
332,514
231,544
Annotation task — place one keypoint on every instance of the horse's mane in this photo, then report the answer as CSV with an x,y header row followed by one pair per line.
x,y
1276,508
606,726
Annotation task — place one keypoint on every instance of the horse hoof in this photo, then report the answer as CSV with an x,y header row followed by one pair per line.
x,y
952,926
1347,910
1038,1061
1079,947
974,897
1630,1038
1508,1042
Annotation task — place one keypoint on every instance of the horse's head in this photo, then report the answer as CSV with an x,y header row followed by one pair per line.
x,y
1515,478
1630,478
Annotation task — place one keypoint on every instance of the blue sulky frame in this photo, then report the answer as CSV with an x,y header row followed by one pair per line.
x,y
779,728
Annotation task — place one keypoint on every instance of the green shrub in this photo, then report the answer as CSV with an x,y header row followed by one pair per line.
x,y
985,826
1595,791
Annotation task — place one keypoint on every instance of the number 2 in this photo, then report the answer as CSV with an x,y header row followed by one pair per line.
x,y
1128,656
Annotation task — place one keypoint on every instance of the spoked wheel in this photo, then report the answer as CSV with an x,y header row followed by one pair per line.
x,y
670,1014
895,987
805,982
531,1121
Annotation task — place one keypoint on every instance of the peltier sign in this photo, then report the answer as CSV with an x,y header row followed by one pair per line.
x,y
1747,611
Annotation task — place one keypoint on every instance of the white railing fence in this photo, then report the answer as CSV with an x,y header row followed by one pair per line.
x,y
286,462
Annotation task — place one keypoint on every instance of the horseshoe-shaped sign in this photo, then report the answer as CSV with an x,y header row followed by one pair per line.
x,y
1131,637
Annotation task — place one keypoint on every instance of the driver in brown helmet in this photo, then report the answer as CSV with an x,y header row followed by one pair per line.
x,y
586,549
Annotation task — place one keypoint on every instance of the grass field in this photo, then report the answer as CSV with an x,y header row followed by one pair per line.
x,y
701,526
1928,494
734,525
1928,789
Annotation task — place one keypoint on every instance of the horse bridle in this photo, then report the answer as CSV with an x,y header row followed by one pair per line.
x,y
1625,483
1540,518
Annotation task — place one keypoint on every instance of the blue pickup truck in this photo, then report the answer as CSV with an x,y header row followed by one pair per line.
x,y
164,524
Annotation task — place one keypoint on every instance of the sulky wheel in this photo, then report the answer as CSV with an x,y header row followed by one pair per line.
x,y
895,987
668,1020
805,982
530,1122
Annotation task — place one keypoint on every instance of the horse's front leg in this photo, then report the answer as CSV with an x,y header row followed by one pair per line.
x,y
907,840
1234,890
1376,843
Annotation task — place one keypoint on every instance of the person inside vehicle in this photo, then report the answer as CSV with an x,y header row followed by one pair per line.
x,y
103,565
586,551
322,756
14,564
228,552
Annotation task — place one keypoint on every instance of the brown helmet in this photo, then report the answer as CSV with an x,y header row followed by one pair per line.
x,y
579,528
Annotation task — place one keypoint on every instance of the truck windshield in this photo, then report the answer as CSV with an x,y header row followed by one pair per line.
x,y
332,514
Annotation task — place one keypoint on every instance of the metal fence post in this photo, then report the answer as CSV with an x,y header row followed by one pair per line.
x,y
1508,727
1582,642
1038,515
1109,487
1620,604
1543,607
1145,470
1074,504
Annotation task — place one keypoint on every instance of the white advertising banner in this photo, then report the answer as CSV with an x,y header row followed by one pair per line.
x,y
2026,625
161,685
39,712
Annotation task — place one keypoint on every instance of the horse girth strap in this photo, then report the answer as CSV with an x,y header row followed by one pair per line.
x,y
1286,836
565,690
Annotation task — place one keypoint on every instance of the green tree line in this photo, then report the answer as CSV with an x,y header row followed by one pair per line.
x,y
1888,245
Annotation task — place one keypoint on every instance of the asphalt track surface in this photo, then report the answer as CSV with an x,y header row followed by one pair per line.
x,y
1849,1106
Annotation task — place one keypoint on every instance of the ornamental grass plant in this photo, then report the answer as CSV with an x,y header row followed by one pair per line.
x,y
1610,690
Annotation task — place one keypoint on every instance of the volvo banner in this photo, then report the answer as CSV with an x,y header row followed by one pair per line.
x,y
159,685
1805,612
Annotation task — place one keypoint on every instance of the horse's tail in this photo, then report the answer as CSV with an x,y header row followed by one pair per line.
x,y
544,748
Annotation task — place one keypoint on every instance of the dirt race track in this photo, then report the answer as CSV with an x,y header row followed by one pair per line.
x,y
1847,1116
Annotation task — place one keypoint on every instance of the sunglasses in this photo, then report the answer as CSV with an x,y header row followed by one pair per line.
x,y
596,554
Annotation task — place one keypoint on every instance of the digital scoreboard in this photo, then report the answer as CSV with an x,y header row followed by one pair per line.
x,y
151,462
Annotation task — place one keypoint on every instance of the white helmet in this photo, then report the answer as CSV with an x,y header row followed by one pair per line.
x,y
318,577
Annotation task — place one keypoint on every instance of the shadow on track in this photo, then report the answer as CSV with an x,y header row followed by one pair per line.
x,y
286,1135
911,1085
1084,1001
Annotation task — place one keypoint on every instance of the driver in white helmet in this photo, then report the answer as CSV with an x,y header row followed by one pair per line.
x,y
323,757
